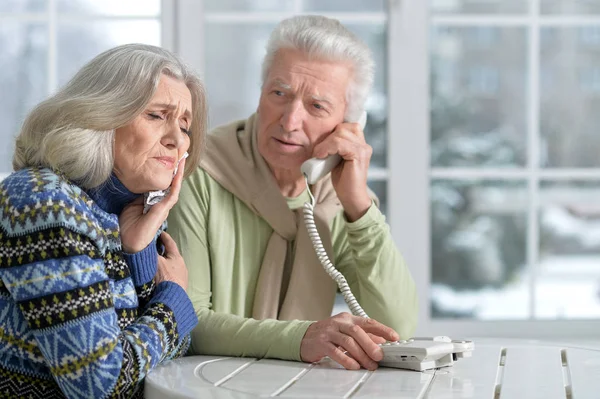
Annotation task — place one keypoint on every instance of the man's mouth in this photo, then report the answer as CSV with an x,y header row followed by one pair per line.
x,y
284,142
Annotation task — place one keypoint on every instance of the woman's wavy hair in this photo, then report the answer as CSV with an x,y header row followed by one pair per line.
x,y
73,131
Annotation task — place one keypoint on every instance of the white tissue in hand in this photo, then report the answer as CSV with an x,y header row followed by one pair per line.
x,y
154,197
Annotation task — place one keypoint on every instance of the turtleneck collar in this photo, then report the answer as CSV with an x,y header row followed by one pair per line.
x,y
112,196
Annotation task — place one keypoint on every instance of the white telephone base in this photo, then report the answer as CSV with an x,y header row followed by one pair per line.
x,y
425,353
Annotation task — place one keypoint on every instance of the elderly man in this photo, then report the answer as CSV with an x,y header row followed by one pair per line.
x,y
254,279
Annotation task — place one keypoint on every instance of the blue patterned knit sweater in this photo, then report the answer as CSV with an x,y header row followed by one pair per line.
x,y
79,317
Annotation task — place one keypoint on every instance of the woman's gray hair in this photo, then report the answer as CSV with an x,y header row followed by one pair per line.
x,y
326,39
73,131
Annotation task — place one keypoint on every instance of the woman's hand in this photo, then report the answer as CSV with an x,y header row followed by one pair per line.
x,y
171,266
138,230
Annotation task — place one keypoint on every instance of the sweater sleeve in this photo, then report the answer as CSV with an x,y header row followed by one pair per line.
x,y
366,255
56,275
143,266
222,333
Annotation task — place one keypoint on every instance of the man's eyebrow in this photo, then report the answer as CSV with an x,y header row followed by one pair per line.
x,y
282,84
322,99
171,107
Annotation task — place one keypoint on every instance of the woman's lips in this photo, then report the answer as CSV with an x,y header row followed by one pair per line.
x,y
169,162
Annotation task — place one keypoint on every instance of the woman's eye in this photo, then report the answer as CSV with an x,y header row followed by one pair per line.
x,y
155,116
184,130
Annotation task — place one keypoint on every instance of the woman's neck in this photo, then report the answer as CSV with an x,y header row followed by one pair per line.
x,y
112,196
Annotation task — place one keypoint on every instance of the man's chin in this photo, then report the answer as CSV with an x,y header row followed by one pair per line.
x,y
286,163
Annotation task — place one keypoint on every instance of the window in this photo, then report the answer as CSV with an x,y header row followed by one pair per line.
x,y
570,7
483,80
504,228
478,6
482,37
44,42
590,35
589,80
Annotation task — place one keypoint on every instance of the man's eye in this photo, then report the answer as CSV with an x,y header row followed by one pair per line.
x,y
318,106
278,93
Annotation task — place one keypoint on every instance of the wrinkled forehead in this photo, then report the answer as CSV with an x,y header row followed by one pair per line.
x,y
173,94
293,70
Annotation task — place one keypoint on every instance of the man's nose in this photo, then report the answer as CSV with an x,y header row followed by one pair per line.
x,y
293,117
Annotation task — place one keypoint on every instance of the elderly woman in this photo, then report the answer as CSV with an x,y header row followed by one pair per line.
x,y
257,286
87,305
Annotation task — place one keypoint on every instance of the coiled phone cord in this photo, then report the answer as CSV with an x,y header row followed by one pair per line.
x,y
309,221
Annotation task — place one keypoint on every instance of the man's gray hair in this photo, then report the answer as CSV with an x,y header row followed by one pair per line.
x,y
326,39
73,131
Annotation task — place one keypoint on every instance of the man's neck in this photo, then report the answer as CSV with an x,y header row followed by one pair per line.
x,y
291,183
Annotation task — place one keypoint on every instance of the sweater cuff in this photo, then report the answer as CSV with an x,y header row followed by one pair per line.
x,y
371,218
175,298
143,265
296,338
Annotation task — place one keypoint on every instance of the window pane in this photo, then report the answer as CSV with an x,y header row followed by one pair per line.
x,y
375,36
380,189
480,6
234,87
568,284
479,102
345,5
79,43
570,6
248,5
478,247
234,55
24,80
570,97
110,7
23,6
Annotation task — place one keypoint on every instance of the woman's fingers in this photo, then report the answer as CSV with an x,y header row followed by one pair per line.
x,y
170,245
173,195
160,211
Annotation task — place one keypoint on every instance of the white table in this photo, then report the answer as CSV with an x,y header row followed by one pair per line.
x,y
512,368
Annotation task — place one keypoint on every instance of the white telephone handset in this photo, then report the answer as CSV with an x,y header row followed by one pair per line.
x,y
314,169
